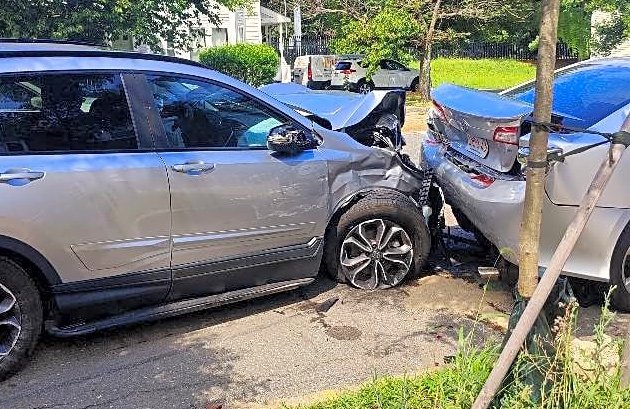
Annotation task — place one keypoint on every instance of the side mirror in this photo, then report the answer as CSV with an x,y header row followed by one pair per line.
x,y
287,139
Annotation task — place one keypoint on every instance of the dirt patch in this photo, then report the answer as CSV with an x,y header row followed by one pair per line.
x,y
467,298
415,119
343,332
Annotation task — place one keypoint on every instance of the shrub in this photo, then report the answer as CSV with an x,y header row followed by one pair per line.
x,y
255,64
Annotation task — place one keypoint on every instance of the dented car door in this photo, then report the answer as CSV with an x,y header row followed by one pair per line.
x,y
236,206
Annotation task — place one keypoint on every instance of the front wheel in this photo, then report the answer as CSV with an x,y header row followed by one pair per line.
x,y
378,242
20,316
620,272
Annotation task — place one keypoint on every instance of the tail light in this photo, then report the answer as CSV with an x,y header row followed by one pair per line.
x,y
310,72
483,180
439,110
506,134
348,71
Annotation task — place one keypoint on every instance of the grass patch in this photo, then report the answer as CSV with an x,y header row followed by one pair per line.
x,y
482,74
567,384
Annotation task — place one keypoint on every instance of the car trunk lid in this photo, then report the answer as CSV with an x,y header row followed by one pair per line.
x,y
483,126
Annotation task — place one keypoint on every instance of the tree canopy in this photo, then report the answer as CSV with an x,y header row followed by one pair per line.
x,y
100,21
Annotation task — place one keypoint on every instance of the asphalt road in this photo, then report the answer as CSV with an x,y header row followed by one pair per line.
x,y
262,351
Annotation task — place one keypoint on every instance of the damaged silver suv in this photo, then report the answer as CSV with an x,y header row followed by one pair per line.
x,y
135,187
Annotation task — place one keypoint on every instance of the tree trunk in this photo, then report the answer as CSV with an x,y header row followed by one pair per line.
x,y
424,73
625,363
532,210
537,160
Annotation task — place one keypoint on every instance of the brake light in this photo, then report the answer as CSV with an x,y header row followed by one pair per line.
x,y
439,110
310,72
506,134
483,180
348,71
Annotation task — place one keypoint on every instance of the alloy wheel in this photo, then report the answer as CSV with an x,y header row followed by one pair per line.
x,y
376,253
10,322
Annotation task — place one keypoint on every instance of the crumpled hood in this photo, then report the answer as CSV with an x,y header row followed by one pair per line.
x,y
340,108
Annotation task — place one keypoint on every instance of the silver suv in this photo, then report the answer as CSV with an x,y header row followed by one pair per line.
x,y
135,187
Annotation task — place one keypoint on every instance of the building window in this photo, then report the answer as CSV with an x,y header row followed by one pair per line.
x,y
198,41
170,48
240,26
219,36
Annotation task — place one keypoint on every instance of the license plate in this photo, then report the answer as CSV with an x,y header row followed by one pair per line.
x,y
478,146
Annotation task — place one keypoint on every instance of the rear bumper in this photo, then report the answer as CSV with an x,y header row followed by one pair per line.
x,y
495,209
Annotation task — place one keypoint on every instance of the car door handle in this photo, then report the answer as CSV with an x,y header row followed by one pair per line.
x,y
194,167
15,174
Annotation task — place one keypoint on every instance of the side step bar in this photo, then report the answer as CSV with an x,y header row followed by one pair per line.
x,y
175,308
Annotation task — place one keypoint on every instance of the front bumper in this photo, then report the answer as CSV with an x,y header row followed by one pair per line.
x,y
494,209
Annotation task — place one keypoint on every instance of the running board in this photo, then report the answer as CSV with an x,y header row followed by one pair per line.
x,y
175,308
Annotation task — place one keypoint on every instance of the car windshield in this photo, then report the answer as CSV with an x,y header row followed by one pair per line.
x,y
586,94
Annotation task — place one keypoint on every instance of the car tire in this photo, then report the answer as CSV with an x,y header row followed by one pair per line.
x,y
415,85
620,272
21,314
363,86
392,212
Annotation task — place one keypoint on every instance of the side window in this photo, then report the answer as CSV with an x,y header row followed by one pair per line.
x,y
64,112
198,114
397,66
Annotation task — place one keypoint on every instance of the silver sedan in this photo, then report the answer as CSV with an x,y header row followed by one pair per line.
x,y
473,146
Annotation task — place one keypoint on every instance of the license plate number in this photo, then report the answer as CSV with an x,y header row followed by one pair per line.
x,y
478,146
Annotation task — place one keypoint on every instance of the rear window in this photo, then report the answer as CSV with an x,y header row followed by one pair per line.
x,y
343,65
586,94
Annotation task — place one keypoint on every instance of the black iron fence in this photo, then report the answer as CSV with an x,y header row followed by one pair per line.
x,y
315,44
513,51
305,45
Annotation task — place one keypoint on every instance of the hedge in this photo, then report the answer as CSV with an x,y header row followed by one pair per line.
x,y
255,64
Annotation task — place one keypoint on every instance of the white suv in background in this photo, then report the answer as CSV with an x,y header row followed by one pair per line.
x,y
350,74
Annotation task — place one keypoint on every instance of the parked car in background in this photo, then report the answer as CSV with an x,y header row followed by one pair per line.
x,y
474,143
135,187
314,71
351,74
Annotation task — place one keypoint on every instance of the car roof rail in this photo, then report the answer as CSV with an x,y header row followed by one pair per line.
x,y
99,52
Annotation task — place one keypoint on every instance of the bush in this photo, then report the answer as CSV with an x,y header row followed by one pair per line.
x,y
255,64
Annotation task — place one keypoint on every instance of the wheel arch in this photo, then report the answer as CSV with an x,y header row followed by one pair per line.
x,y
347,201
38,267
618,244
